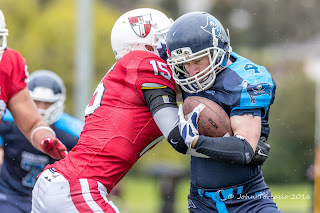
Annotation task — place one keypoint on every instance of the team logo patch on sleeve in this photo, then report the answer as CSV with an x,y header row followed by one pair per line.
x,y
256,90
141,25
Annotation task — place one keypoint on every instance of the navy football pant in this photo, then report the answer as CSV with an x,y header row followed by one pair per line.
x,y
242,204
14,204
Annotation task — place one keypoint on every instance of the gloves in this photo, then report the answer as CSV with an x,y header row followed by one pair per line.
x,y
189,128
53,147
262,152
176,140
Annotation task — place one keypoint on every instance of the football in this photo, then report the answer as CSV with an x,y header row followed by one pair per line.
x,y
213,120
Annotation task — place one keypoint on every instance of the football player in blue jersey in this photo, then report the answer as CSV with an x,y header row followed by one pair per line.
x,y
203,64
22,162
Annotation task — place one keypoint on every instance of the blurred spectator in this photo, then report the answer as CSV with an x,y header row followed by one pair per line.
x,y
22,162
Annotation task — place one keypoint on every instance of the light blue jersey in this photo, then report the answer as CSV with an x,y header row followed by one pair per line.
x,y
242,88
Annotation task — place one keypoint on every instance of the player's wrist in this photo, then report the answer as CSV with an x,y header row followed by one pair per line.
x,y
46,128
194,142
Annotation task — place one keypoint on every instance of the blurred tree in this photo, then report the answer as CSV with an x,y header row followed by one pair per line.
x,y
45,36
18,16
292,128
271,21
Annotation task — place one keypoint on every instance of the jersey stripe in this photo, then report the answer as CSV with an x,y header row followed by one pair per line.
x,y
87,192
154,87
77,197
98,196
87,196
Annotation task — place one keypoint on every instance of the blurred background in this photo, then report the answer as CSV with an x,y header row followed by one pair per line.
x,y
72,38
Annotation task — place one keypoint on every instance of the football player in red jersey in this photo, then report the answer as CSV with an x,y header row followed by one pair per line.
x,y
131,110
15,96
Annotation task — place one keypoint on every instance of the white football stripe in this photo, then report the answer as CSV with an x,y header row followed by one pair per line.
x,y
87,195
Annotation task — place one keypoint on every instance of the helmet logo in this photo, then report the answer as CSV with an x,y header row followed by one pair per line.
x,y
213,27
141,25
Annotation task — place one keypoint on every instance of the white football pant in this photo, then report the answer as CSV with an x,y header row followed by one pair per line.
x,y
52,193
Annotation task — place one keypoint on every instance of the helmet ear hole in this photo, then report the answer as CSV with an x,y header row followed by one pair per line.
x,y
149,48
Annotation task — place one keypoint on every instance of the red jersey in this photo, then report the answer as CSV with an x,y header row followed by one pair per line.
x,y
119,127
13,77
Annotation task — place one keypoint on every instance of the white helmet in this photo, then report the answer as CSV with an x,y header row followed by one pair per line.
x,y
140,27
3,34
47,86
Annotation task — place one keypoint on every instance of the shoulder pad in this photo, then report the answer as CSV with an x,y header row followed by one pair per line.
x,y
257,86
7,116
69,124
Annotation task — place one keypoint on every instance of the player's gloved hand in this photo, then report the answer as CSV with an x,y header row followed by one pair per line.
x,y
176,140
53,147
262,152
189,128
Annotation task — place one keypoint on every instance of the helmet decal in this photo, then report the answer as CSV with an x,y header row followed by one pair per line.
x,y
141,25
213,26
139,28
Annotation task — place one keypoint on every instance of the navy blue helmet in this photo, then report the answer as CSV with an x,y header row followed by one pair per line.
x,y
192,36
47,86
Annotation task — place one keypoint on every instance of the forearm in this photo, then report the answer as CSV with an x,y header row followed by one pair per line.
x,y
232,149
169,128
28,119
44,139
165,114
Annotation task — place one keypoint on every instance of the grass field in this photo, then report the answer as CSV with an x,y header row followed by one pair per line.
x,y
295,198
142,195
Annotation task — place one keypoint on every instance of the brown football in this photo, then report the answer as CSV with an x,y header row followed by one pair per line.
x,y
213,120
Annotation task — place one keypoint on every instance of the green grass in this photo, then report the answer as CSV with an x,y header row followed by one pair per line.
x,y
295,198
142,195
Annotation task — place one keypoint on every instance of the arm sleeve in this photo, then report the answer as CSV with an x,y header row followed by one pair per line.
x,y
158,97
162,104
233,149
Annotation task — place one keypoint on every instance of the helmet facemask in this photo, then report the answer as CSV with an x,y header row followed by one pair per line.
x,y
202,80
3,39
53,112
159,41
3,34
